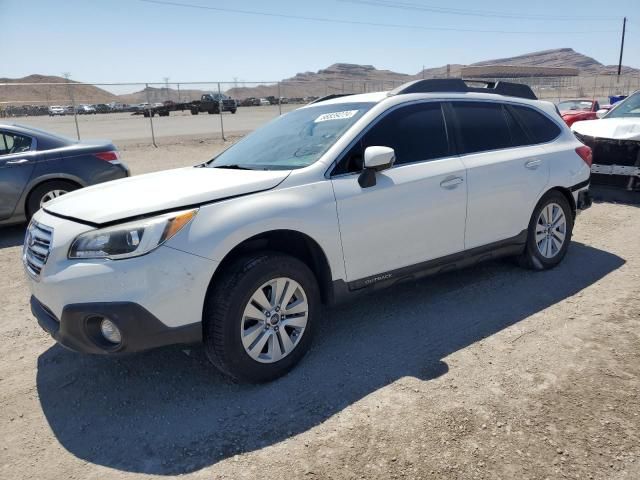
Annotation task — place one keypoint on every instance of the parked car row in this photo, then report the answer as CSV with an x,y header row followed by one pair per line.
x,y
83,109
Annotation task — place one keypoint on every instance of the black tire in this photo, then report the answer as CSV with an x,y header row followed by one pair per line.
x,y
224,306
532,258
233,111
194,112
36,195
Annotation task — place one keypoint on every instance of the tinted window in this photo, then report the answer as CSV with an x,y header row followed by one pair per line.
x,y
518,135
12,143
415,132
540,128
482,125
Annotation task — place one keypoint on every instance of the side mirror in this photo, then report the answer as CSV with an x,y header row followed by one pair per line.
x,y
601,113
375,160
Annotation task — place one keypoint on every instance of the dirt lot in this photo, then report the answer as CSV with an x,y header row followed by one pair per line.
x,y
492,372
124,128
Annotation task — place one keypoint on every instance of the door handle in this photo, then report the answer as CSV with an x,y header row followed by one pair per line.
x,y
451,182
17,162
532,164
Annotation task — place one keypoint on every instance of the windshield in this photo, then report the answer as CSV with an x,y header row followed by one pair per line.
x,y
575,105
629,107
294,140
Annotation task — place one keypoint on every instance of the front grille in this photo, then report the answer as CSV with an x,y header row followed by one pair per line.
x,y
37,246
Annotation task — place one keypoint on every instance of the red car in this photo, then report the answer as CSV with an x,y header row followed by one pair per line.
x,y
579,109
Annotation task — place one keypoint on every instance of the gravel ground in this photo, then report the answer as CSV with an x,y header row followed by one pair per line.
x,y
492,372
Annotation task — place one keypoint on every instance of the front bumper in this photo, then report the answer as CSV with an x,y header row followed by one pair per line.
x,y
150,297
78,328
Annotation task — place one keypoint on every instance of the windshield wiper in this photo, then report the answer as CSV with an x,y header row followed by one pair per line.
x,y
234,166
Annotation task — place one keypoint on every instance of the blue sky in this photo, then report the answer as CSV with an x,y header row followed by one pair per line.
x,y
132,40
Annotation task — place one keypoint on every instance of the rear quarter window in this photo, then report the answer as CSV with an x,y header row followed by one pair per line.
x,y
540,128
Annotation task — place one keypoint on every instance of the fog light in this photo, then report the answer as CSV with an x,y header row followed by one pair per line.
x,y
110,331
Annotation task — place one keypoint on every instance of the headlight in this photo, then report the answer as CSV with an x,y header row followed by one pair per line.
x,y
130,239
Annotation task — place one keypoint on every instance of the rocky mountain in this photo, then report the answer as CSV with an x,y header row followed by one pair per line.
x,y
559,57
51,94
337,78
360,78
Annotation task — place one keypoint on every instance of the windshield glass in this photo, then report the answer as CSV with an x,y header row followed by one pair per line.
x,y
294,140
629,107
575,105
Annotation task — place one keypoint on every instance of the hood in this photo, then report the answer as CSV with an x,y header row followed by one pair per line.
x,y
160,191
613,128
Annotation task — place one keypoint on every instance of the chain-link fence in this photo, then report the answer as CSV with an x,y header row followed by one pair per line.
x,y
164,112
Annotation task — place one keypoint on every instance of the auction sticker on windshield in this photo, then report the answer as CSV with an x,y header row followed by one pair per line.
x,y
335,116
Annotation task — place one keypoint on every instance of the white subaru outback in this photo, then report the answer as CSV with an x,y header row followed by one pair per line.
x,y
340,197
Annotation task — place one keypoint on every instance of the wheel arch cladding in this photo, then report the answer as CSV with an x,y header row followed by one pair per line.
x,y
289,242
566,193
569,196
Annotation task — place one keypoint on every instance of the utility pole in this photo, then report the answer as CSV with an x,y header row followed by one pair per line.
x,y
624,26
67,75
166,87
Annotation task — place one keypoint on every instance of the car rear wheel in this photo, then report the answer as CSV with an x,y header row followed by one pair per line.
x,y
549,232
258,316
46,192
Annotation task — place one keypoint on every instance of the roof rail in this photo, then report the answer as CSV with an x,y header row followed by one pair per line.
x,y
459,85
330,97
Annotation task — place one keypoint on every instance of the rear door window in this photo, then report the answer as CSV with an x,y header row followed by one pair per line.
x,y
482,126
540,128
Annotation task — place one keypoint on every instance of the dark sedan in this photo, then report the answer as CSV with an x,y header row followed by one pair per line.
x,y
38,166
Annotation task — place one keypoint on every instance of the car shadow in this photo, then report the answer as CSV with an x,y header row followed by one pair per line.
x,y
11,236
169,412
607,194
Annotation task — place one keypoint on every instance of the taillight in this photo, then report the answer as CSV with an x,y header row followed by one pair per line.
x,y
108,156
585,154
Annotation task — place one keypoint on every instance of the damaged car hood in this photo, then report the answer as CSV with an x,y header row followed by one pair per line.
x,y
613,128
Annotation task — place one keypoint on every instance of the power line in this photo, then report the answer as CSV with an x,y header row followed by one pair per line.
x,y
368,24
475,13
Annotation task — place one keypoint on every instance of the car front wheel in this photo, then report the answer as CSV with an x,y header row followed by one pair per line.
x,y
549,232
258,316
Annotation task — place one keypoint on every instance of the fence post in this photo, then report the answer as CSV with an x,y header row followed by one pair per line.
x,y
153,134
179,101
279,100
73,105
220,112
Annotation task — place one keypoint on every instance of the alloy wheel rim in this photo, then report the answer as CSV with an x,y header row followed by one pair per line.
x,y
47,197
551,230
274,320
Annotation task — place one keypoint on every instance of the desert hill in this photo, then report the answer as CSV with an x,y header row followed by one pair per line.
x,y
336,78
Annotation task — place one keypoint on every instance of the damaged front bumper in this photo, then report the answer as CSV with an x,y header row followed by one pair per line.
x,y
615,162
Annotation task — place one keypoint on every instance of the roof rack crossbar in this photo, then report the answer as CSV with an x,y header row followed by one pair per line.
x,y
459,85
330,97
